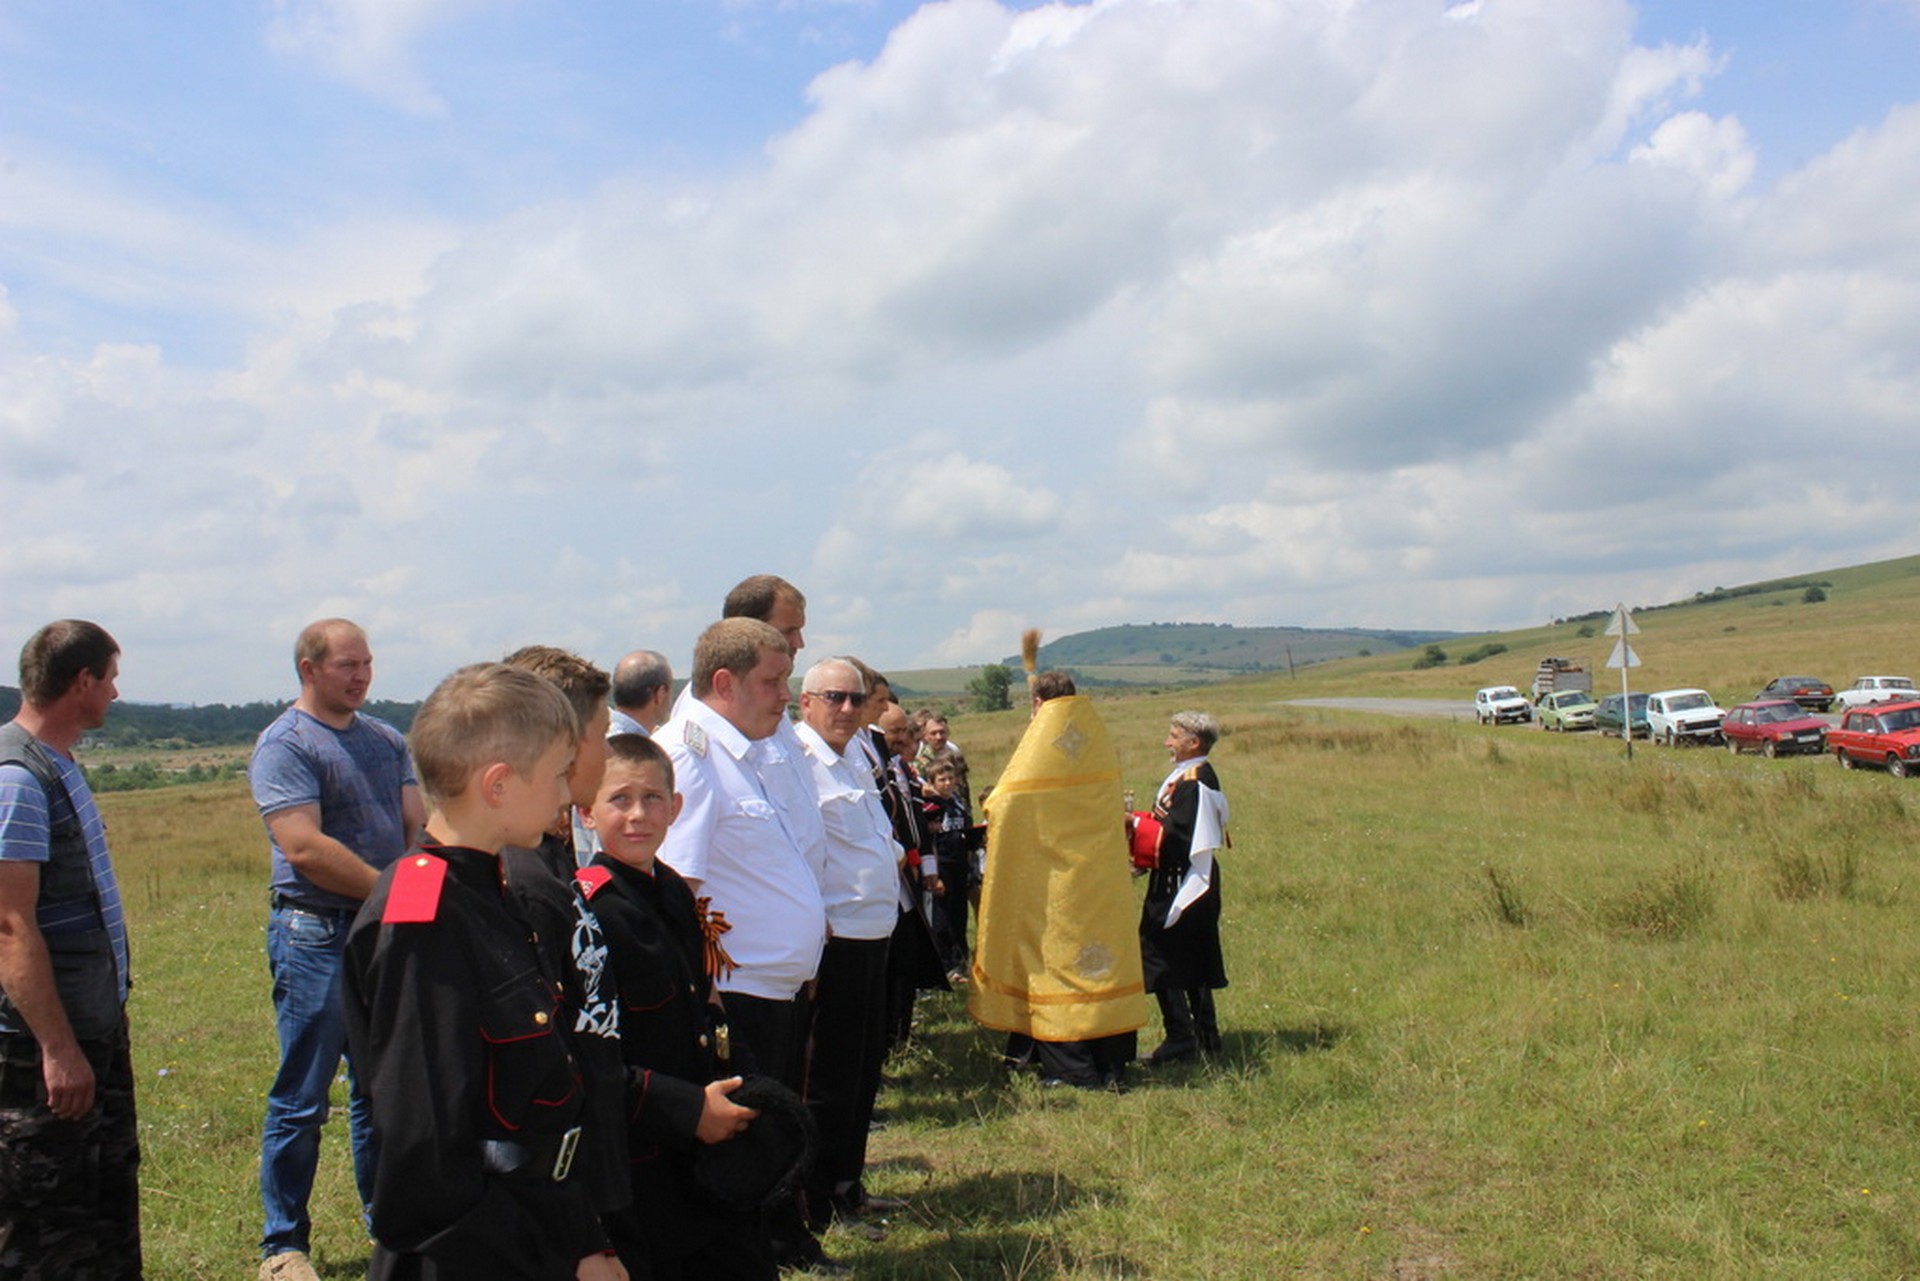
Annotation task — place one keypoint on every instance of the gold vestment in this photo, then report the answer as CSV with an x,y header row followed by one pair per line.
x,y
1057,954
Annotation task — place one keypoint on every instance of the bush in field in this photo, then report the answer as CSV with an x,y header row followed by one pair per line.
x,y
1434,657
1479,652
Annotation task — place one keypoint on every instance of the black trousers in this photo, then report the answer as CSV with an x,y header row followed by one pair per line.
x,y
847,1051
770,1038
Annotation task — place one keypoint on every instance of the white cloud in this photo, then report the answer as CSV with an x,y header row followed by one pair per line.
x,y
367,43
1376,313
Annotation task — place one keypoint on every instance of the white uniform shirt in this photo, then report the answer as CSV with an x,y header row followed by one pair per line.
x,y
859,866
734,838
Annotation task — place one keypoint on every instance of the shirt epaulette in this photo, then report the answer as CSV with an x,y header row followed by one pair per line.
x,y
414,896
695,738
592,880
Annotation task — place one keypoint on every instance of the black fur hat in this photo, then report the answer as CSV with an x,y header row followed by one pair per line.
x,y
768,1160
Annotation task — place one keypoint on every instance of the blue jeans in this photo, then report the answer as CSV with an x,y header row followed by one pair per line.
x,y
303,955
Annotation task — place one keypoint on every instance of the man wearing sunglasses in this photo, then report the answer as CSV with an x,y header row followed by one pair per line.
x,y
859,875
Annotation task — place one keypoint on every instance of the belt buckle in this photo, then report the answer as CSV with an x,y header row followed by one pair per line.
x,y
563,1160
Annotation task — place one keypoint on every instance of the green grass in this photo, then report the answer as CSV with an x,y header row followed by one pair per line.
x,y
1504,1004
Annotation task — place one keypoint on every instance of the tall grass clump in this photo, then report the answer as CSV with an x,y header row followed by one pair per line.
x,y
1671,906
1800,874
1503,900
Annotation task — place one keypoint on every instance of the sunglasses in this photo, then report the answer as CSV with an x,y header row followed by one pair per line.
x,y
839,696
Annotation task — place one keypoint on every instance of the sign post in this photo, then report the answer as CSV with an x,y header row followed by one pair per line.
x,y
1623,657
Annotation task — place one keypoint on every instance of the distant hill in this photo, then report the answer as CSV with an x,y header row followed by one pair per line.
x,y
212,725
1220,647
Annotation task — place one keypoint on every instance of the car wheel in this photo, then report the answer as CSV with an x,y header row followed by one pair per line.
x,y
1897,766
1772,749
1733,747
1846,762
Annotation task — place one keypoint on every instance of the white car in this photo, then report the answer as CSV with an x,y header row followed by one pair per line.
x,y
1874,689
1497,704
1676,716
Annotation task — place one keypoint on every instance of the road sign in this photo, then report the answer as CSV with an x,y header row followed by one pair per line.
x,y
1623,655
1622,625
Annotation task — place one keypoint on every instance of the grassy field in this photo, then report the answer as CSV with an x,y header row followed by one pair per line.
x,y
1504,1004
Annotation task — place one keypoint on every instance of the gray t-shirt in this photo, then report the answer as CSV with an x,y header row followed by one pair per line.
x,y
355,775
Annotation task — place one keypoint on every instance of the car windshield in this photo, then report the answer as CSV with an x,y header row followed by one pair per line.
x,y
1905,718
1688,702
1774,715
1577,700
1506,691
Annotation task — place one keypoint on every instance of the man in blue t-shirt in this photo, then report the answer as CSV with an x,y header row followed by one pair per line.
x,y
337,792
69,1140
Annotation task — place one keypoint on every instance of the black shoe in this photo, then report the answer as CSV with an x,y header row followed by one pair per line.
x,y
1171,1052
857,1203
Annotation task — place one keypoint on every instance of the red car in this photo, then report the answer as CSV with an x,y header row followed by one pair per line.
x,y
1885,734
1774,726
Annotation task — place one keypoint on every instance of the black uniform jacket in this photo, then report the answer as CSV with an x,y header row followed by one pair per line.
x,y
573,946
1188,955
458,1034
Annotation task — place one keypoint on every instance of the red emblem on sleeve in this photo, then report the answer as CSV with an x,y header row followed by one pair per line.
x,y
591,881
414,896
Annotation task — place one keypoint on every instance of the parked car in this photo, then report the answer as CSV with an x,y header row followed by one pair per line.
x,y
1569,709
1869,690
1887,734
1498,704
1773,727
1610,712
1676,716
1810,692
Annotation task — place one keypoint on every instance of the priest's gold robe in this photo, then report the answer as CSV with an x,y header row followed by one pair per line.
x,y
1057,955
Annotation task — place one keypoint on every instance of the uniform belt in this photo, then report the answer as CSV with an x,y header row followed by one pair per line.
x,y
275,899
540,1156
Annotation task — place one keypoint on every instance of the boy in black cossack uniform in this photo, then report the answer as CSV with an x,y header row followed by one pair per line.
x,y
455,1018
672,1032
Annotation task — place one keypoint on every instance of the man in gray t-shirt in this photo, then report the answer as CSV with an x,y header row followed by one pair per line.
x,y
337,792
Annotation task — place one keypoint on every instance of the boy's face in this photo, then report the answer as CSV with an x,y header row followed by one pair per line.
x,y
633,811
590,760
528,803
945,783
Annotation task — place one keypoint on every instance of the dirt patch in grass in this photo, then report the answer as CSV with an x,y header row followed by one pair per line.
x,y
1404,1176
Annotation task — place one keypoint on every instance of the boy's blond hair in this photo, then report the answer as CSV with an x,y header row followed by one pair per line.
x,y
485,713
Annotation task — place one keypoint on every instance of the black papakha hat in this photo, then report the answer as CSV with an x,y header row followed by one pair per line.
x,y
768,1160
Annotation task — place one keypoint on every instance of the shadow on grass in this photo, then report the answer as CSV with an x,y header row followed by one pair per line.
x,y
1005,1230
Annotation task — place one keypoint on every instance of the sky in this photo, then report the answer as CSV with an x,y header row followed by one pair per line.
x,y
488,322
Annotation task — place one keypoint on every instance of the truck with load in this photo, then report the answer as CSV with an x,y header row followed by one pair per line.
x,y
1557,674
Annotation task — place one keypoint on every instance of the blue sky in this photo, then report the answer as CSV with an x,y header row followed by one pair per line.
x,y
492,321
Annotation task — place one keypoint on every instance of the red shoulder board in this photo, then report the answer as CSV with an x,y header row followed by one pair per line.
x,y
414,896
591,881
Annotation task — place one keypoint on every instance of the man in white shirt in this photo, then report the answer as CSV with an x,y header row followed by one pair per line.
x,y
742,844
859,873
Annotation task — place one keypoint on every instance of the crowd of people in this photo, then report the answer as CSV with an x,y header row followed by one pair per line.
x,y
614,974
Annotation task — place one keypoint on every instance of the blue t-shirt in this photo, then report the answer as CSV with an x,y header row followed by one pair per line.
x,y
27,818
354,775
